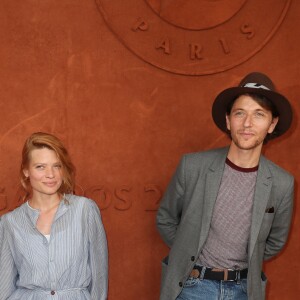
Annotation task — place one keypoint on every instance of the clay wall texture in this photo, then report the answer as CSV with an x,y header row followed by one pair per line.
x,y
128,86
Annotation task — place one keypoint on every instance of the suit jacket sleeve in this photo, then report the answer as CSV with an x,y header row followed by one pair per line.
x,y
281,223
169,212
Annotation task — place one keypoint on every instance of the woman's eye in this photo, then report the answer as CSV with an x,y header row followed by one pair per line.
x,y
40,167
57,166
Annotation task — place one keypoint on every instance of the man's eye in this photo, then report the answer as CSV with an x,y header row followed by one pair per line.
x,y
238,113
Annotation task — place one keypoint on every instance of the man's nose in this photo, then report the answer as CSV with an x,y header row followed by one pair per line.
x,y
248,121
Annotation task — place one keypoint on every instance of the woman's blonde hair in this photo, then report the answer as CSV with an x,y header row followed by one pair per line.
x,y
39,140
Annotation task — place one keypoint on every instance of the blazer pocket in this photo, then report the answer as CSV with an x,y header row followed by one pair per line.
x,y
270,210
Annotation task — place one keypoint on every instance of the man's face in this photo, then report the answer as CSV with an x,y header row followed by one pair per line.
x,y
249,123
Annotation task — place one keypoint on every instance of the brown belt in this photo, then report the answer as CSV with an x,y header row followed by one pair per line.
x,y
219,274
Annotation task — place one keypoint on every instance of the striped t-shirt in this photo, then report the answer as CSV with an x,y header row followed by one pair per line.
x,y
227,242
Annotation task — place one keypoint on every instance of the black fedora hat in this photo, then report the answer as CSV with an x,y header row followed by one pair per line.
x,y
255,83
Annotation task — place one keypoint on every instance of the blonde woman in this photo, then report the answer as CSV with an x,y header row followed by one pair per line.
x,y
54,245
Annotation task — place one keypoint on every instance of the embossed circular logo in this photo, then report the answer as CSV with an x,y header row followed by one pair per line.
x,y
194,37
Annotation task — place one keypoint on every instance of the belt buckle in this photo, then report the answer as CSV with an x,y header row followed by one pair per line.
x,y
225,273
225,278
237,278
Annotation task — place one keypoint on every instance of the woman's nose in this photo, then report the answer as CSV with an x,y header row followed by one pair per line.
x,y
49,173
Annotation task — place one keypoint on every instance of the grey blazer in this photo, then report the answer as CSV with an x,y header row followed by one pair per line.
x,y
186,209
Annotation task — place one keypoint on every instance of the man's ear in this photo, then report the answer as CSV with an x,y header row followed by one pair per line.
x,y
227,122
273,124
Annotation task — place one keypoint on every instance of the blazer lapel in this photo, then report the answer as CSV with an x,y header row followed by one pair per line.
x,y
261,198
213,181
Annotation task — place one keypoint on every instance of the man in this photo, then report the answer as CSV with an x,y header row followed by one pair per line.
x,y
226,210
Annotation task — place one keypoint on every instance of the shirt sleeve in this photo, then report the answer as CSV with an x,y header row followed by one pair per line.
x,y
8,270
98,255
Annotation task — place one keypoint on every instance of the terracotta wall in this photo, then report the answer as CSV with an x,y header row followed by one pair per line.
x,y
128,85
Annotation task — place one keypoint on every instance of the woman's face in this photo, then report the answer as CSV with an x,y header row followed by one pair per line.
x,y
44,172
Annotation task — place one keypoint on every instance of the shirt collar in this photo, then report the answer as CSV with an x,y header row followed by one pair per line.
x,y
33,213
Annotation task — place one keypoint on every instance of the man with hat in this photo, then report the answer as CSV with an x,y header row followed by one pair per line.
x,y
227,210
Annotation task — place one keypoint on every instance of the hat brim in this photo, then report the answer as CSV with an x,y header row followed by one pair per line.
x,y
281,103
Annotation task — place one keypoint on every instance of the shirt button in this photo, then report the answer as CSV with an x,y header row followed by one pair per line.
x,y
180,284
192,258
52,293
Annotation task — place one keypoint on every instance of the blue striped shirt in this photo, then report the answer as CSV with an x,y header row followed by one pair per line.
x,y
73,265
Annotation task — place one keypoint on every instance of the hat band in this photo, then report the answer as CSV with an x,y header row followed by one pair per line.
x,y
256,86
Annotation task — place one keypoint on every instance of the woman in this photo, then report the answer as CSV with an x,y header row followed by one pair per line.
x,y
54,245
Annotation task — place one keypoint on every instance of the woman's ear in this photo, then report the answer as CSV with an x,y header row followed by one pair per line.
x,y
26,173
